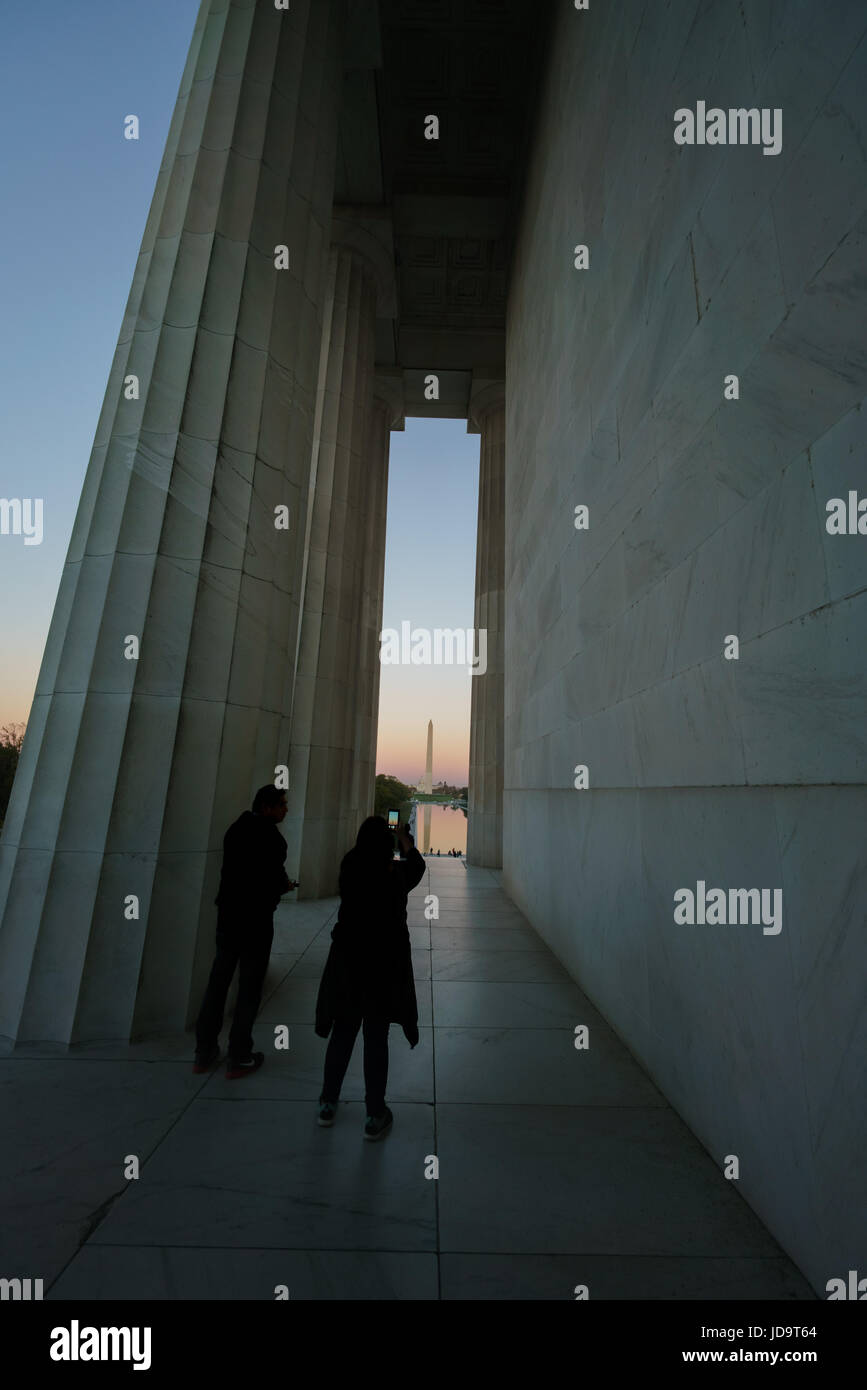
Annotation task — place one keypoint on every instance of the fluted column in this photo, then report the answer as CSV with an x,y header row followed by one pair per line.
x,y
485,809
320,827
133,767
373,582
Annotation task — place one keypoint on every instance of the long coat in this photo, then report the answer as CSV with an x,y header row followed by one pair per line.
x,y
369,967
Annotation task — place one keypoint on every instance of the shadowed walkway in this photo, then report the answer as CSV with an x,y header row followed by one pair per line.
x,y
557,1167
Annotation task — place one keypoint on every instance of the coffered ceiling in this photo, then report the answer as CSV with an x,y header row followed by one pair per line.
x,y
475,65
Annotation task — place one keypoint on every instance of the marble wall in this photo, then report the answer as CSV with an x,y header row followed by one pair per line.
x,y
706,519
485,824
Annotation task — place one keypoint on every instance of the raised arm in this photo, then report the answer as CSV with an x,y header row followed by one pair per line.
x,y
413,865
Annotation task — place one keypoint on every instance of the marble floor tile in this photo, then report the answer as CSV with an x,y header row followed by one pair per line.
x,y
497,966
318,910
310,965
477,897
500,918
421,966
264,1174
517,938
297,939
528,1066
67,1128
553,1277
279,966
146,1273
556,1004
599,1180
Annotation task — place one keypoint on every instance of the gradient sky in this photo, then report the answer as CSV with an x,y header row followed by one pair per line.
x,y
76,198
430,569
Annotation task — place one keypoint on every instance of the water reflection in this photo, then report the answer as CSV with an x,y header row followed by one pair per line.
x,y
440,828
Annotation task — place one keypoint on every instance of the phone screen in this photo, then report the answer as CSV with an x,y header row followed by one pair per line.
x,y
393,820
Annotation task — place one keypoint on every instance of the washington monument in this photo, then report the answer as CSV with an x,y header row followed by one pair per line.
x,y
427,780
426,785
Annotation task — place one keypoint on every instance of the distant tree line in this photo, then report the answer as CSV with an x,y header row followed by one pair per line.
x,y
11,738
445,791
392,794
446,788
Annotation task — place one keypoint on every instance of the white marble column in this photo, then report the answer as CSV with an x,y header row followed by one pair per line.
x,y
132,769
323,752
373,583
485,810
336,692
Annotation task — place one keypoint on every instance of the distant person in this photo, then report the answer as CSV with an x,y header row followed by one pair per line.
x,y
252,882
368,975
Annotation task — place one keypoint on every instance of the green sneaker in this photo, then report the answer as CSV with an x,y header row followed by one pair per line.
x,y
327,1113
376,1126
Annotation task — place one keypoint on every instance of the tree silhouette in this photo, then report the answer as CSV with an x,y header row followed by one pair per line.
x,y
11,739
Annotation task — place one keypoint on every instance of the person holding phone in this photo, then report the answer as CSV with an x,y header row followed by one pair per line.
x,y
368,979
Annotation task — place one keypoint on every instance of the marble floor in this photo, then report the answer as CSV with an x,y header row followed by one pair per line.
x,y
557,1167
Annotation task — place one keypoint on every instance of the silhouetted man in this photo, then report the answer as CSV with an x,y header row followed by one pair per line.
x,y
252,882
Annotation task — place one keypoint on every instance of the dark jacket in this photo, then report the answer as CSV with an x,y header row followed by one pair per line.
x,y
253,879
369,966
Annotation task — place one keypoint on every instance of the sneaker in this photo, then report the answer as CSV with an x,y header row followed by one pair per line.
x,y
327,1113
205,1060
377,1126
236,1068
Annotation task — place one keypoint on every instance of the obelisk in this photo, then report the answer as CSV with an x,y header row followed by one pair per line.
x,y
427,786
428,766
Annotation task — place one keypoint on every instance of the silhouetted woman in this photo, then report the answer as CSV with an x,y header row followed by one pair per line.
x,y
368,975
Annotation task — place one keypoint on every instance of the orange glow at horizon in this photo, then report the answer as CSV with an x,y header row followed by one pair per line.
x,y
409,697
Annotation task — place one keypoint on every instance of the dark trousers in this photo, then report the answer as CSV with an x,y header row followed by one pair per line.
x,y
343,1034
245,942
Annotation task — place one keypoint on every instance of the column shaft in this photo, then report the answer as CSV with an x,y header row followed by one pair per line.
x,y
485,823
376,477
323,780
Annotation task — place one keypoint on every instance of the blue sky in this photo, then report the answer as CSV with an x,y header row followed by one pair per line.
x,y
76,198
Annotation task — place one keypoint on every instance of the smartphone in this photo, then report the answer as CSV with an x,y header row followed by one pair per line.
x,y
393,820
